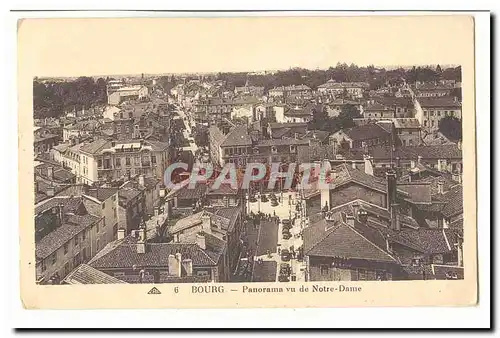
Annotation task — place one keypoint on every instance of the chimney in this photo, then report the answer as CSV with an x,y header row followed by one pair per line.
x,y
391,189
173,266
440,187
200,241
60,209
395,217
441,165
121,233
141,180
50,173
368,164
187,264
350,220
141,241
178,262
419,159
206,223
50,191
355,208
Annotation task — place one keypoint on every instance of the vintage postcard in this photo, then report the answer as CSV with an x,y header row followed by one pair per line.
x,y
247,161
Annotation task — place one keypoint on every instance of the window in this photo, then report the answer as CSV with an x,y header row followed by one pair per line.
x,y
118,162
324,270
274,150
410,132
425,123
97,227
77,240
432,123
65,248
127,161
153,159
104,222
137,160
84,235
202,273
53,258
293,149
43,266
415,262
410,142
361,274
118,274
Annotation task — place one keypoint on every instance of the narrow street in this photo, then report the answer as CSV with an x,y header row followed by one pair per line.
x,y
270,242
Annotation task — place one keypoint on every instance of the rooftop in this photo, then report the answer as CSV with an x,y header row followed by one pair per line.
x,y
85,274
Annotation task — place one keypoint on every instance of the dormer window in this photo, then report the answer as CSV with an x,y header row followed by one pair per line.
x,y
255,150
293,149
274,150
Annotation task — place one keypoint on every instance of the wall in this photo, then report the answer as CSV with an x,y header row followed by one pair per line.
x,y
353,191
321,269
77,253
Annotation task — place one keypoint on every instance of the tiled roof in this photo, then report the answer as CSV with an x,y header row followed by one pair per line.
x,y
129,191
238,136
400,123
95,146
366,132
185,192
101,193
444,151
438,102
188,222
59,174
405,102
73,225
377,107
85,274
337,239
156,145
124,255
454,201
430,241
419,192
70,204
230,213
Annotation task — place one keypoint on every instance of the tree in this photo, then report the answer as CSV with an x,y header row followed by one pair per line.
x,y
451,127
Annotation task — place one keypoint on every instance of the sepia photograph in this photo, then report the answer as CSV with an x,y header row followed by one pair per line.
x,y
259,163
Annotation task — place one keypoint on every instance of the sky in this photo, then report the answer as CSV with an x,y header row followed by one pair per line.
x,y
89,47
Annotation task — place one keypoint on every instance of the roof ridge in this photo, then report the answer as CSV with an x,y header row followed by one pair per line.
x,y
373,244
327,232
